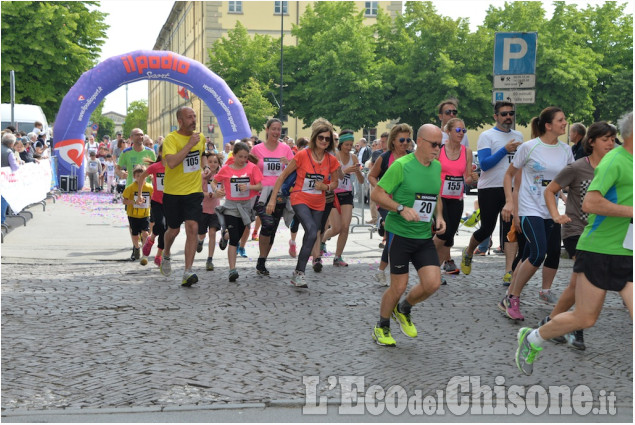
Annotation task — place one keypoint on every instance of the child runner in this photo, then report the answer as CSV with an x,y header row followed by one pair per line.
x,y
209,219
138,210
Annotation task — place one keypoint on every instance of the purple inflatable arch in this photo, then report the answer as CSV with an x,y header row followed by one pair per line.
x,y
109,75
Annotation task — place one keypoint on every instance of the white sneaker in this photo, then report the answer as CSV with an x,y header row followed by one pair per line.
x,y
380,277
298,280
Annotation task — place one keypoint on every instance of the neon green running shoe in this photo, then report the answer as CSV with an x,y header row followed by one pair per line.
x,y
382,337
507,278
466,262
527,352
405,324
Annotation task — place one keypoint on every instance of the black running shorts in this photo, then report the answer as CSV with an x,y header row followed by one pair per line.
x,y
419,252
608,272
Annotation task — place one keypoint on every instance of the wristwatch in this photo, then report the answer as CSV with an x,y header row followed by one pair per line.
x,y
399,209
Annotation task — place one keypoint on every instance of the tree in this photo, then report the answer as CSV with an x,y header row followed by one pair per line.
x,y
249,67
137,116
49,44
332,72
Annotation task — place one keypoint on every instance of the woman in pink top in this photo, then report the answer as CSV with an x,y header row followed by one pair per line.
x,y
273,156
157,171
241,182
209,219
456,171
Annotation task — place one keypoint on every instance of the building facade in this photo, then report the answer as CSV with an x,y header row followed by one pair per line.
x,y
118,119
193,27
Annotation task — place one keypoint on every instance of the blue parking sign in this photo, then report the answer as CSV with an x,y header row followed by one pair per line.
x,y
515,53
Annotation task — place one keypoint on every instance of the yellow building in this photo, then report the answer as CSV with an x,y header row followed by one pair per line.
x,y
193,27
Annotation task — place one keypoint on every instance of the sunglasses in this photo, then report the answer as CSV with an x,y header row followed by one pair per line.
x,y
404,140
460,130
506,113
450,112
434,144
323,138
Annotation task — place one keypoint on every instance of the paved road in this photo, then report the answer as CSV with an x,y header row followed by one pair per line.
x,y
86,331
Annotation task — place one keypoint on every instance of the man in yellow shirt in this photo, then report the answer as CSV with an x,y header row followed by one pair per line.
x,y
183,151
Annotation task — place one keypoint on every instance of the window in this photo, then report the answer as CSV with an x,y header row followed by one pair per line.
x,y
370,134
280,4
235,6
371,8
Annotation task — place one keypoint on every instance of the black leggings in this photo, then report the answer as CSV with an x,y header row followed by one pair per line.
x,y
491,201
552,260
235,227
310,221
158,218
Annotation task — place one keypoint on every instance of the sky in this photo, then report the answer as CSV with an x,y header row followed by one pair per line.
x,y
135,25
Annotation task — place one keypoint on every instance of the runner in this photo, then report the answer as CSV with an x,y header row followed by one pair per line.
x,y
340,222
414,182
241,182
456,171
209,219
317,172
540,160
138,211
273,156
604,257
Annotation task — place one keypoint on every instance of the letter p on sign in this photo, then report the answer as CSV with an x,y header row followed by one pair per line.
x,y
508,55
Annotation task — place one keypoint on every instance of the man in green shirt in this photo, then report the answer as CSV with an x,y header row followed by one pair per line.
x,y
604,257
414,203
133,155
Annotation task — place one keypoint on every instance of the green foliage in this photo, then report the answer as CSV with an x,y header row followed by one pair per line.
x,y
238,59
136,116
106,125
48,44
333,71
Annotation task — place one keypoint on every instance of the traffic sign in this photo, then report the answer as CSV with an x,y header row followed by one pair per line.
x,y
515,53
514,96
515,81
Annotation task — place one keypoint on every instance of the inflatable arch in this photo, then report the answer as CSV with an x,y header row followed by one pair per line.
x,y
109,75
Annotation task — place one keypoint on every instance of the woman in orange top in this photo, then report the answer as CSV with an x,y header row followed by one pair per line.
x,y
316,173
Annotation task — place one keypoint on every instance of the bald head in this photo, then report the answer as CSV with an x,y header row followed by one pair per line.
x,y
430,132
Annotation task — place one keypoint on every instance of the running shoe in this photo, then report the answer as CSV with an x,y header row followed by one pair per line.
x,y
405,324
199,245
526,353
157,260
322,249
292,250
473,219
241,251
317,265
466,262
382,245
383,337
443,281
144,260
558,339
576,340
209,265
513,311
222,244
189,279
233,275
380,277
147,246
547,296
449,267
479,252
136,254
503,305
254,236
261,270
165,267
507,278
499,251
338,262
298,280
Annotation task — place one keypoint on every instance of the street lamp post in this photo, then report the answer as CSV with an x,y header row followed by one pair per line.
x,y
281,56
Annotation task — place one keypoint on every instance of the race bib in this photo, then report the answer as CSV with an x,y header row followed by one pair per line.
x,y
309,183
271,167
235,192
452,186
424,205
191,162
628,241
345,184
160,177
146,201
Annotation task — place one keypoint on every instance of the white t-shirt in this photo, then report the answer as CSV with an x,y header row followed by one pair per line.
x,y
464,141
540,163
495,139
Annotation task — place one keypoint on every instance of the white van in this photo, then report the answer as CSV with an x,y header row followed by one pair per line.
x,y
24,115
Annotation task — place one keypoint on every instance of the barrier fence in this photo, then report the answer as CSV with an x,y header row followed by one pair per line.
x,y
28,185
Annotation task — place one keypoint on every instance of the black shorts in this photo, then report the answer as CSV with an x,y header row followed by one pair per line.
x,y
180,208
138,225
608,272
207,221
452,212
345,198
421,252
570,243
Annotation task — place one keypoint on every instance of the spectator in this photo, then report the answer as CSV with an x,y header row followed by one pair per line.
x,y
91,146
8,160
94,172
576,134
37,128
25,156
